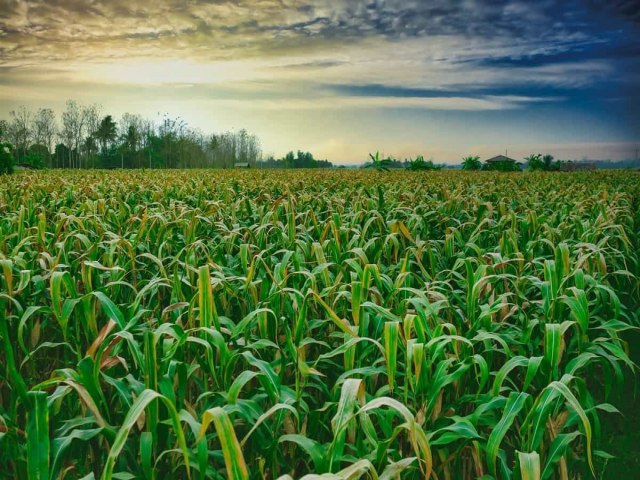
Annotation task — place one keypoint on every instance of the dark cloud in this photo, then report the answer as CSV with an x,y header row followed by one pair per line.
x,y
433,49
627,9
251,27
312,65
376,90
454,91
577,54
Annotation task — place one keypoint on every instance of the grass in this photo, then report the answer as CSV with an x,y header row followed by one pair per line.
x,y
250,324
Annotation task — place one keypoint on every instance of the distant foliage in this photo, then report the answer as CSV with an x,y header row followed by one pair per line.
x,y
544,163
420,164
6,158
534,162
471,163
296,160
385,164
378,163
6,151
86,138
502,166
36,156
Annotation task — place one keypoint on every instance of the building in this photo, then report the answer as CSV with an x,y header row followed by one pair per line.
x,y
241,165
502,163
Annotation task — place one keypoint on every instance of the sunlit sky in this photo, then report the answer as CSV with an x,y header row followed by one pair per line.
x,y
342,78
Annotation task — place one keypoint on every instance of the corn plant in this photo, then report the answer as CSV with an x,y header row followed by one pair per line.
x,y
290,324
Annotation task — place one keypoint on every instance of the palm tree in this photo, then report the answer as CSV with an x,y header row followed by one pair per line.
x,y
380,164
471,163
548,162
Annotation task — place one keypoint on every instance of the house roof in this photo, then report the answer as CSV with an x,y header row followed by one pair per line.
x,y
241,164
500,158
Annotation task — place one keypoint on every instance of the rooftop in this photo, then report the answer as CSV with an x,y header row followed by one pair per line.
x,y
500,158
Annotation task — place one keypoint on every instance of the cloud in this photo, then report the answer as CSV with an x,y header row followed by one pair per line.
x,y
66,30
481,103
499,59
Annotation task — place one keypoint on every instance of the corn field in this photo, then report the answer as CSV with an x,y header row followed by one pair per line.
x,y
305,324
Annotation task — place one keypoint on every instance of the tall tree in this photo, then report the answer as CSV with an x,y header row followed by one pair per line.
x,y
19,131
73,121
82,133
4,128
92,122
107,132
45,129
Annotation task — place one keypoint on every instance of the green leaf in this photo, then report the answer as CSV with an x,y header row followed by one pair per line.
x,y
515,402
556,452
315,450
37,432
233,458
391,334
529,465
136,410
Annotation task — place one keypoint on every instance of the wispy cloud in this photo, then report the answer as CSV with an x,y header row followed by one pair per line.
x,y
335,56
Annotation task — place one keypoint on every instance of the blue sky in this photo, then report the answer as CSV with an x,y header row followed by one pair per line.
x,y
342,78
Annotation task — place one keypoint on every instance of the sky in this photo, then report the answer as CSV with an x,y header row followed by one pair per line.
x,y
342,78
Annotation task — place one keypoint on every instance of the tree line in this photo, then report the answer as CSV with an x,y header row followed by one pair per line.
x,y
83,137
298,160
536,162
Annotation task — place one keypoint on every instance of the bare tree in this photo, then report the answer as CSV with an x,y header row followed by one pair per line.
x,y
83,135
92,124
19,131
4,128
45,128
73,121
132,123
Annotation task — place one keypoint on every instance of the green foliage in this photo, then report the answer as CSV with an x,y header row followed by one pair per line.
x,y
378,163
471,163
299,160
420,164
89,140
6,150
534,162
107,132
501,166
543,163
262,324
6,158
37,156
